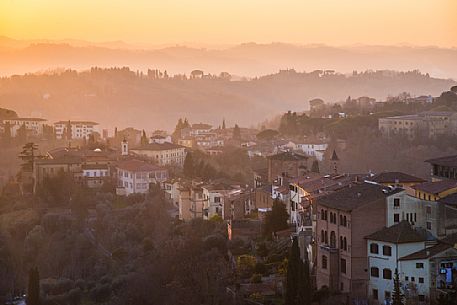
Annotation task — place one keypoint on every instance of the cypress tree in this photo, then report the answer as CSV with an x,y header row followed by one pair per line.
x,y
292,278
397,296
189,166
33,289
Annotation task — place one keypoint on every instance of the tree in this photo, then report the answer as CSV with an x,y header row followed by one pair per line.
x,y
276,219
298,284
223,124
397,296
68,134
189,166
315,167
144,138
267,134
28,156
7,133
236,133
33,289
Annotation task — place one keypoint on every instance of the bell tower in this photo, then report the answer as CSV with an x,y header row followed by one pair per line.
x,y
125,147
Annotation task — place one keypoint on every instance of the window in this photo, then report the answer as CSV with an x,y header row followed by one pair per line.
x,y
421,298
419,265
344,221
342,286
343,266
345,244
324,262
341,242
374,271
428,210
387,274
326,237
396,217
341,220
406,278
375,294
322,214
217,199
386,250
429,225
396,202
374,248
413,279
333,239
325,214
322,236
421,280
387,295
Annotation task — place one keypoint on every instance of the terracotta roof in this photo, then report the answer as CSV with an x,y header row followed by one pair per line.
x,y
398,234
444,161
60,160
158,146
355,196
137,166
77,122
26,119
449,199
201,126
395,177
288,156
427,252
436,187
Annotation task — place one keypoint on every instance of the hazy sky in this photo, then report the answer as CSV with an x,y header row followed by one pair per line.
x,y
335,22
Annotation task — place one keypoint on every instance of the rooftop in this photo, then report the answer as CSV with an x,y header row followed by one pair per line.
x,y
427,252
288,156
436,187
395,177
398,234
77,122
201,126
137,166
158,146
449,199
355,196
444,161
26,119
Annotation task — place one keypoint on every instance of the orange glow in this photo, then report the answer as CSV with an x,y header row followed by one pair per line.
x,y
336,22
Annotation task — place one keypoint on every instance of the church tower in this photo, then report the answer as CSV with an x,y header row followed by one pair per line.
x,y
335,162
125,147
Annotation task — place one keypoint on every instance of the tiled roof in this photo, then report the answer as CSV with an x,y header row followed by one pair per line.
x,y
201,126
355,196
77,122
398,234
137,166
288,156
436,186
158,146
444,161
449,199
395,177
26,119
427,252
60,160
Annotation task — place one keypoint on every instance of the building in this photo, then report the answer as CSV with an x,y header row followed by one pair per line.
x,y
200,128
444,168
160,139
162,154
396,179
287,164
385,248
344,218
190,201
79,129
313,149
32,125
429,271
427,124
135,176
215,195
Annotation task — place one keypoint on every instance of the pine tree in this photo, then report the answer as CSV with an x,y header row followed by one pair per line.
x,y
397,296
33,289
189,166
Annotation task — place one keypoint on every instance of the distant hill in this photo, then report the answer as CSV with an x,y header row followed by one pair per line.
x,y
120,97
250,59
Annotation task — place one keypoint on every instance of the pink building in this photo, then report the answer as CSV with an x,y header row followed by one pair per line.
x,y
344,218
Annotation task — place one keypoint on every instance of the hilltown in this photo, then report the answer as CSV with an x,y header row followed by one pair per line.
x,y
354,230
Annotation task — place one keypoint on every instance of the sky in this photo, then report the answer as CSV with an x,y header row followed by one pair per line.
x,y
333,22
